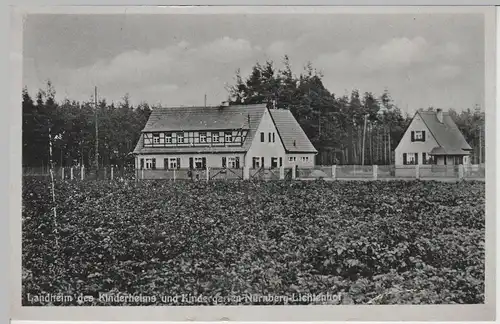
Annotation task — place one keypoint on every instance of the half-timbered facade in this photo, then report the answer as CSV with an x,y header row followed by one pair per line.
x,y
222,137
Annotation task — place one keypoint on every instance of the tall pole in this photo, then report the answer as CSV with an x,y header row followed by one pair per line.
x,y
363,146
205,100
96,133
53,189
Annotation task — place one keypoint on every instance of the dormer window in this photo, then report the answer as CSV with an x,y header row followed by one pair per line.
x,y
180,138
215,137
228,137
168,137
203,137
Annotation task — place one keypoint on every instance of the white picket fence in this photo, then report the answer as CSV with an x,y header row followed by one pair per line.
x,y
332,172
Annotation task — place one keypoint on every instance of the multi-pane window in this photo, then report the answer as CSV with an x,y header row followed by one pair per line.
x,y
418,136
150,163
274,162
256,162
305,158
168,138
228,137
156,138
292,159
410,158
231,162
215,137
198,163
172,163
180,138
203,137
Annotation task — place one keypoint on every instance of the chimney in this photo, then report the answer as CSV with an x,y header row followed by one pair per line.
x,y
439,115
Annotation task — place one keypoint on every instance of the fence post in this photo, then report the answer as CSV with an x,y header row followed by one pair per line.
x,y
105,173
246,173
208,173
175,174
62,173
375,172
460,171
111,172
71,173
142,174
417,171
294,172
82,173
282,173
334,171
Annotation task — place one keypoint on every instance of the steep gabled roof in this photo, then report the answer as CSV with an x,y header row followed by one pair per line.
x,y
447,134
196,118
293,136
245,117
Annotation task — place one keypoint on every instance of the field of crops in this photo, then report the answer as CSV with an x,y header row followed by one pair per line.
x,y
398,242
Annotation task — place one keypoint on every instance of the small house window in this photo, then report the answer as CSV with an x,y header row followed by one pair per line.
x,y
228,137
292,159
168,138
180,138
156,138
203,137
274,162
262,136
305,158
410,158
215,138
418,136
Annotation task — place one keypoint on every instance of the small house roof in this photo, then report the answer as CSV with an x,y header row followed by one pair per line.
x,y
450,139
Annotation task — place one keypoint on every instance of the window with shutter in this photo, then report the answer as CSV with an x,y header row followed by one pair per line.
x,y
416,158
262,162
412,136
262,137
204,162
223,161
424,158
178,163
405,161
423,136
191,164
237,162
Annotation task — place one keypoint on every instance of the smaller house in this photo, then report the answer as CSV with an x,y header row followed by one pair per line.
x,y
432,138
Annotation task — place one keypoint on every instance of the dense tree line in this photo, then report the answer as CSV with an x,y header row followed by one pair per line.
x,y
71,127
335,124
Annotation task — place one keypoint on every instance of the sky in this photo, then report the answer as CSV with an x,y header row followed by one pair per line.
x,y
423,60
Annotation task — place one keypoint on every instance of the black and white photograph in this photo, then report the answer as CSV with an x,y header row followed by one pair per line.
x,y
254,159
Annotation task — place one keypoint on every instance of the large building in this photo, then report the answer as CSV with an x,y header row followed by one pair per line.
x,y
235,137
432,138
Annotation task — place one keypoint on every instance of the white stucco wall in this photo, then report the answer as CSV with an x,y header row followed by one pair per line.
x,y
309,163
265,149
213,160
407,146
